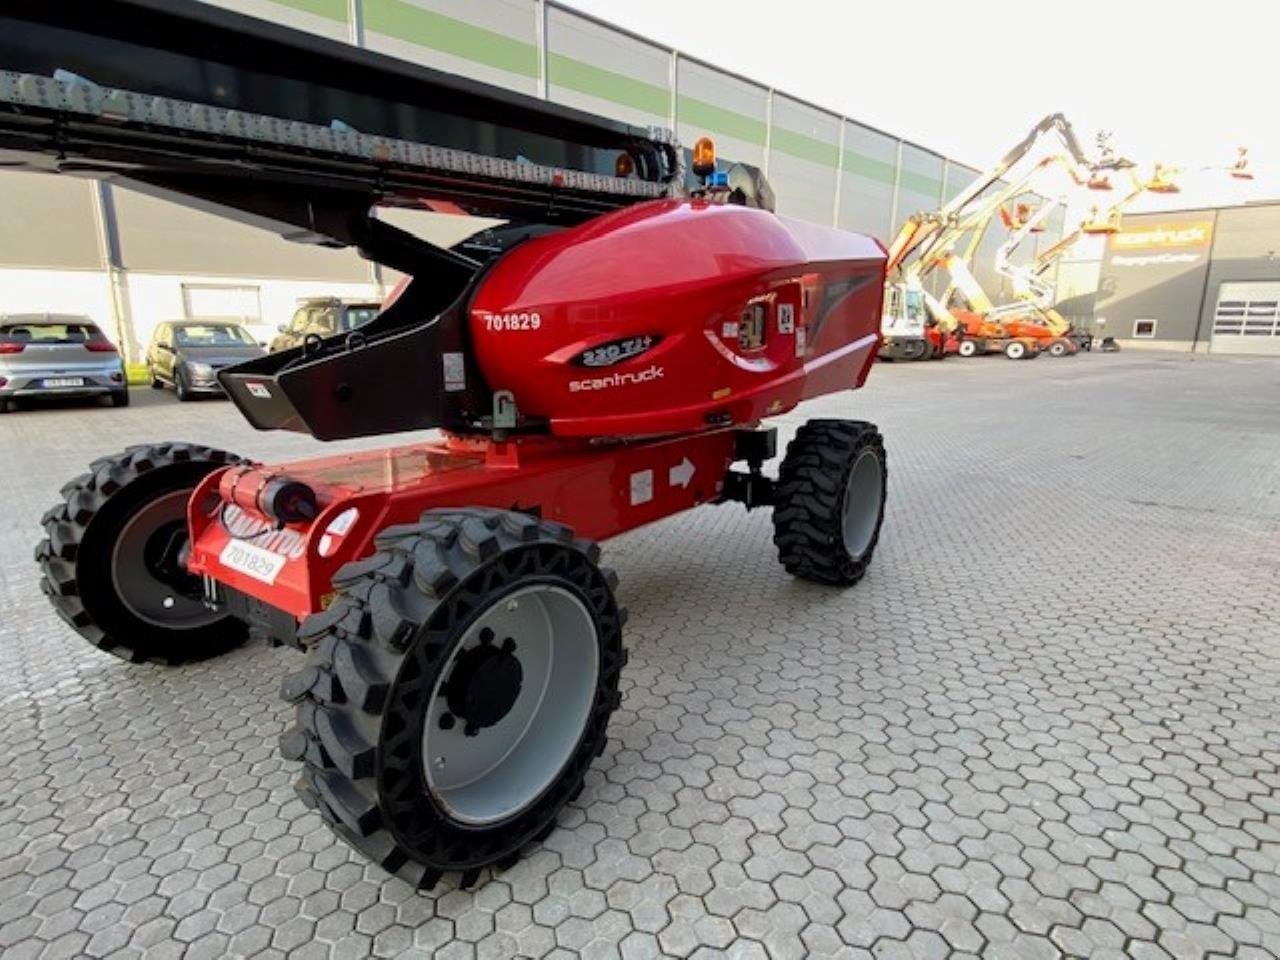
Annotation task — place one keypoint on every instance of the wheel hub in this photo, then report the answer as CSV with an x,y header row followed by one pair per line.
x,y
163,556
147,567
507,714
863,496
484,685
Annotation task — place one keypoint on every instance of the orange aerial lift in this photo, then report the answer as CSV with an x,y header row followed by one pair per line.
x,y
916,325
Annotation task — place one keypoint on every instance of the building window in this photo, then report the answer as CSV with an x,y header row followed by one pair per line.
x,y
1144,329
204,301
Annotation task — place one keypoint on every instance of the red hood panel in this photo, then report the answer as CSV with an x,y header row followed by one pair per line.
x,y
641,321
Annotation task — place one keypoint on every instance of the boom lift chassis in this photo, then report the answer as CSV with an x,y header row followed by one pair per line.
x,y
463,642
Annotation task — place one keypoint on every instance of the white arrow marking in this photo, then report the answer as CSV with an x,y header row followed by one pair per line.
x,y
681,473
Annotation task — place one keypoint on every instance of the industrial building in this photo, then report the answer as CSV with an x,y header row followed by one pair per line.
x,y
1206,280
132,261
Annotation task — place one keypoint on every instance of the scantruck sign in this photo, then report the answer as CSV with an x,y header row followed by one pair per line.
x,y
1171,242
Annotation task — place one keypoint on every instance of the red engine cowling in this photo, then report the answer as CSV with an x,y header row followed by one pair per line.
x,y
678,315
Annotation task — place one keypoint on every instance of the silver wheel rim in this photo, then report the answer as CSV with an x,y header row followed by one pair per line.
x,y
1016,350
140,587
501,769
968,348
861,509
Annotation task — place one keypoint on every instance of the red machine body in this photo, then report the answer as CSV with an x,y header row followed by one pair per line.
x,y
674,315
641,341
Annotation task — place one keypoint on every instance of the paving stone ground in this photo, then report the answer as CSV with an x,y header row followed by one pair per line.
x,y
1046,723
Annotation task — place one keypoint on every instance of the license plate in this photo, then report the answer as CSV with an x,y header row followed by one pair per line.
x,y
54,382
252,561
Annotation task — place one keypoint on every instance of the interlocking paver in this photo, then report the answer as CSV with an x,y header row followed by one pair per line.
x,y
1044,724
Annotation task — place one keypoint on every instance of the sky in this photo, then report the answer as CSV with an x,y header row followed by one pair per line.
x,y
1183,83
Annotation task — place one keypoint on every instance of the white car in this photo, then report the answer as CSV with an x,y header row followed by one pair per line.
x,y
57,355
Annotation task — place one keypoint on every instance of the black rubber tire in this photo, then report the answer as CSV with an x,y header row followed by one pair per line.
x,y
915,350
967,348
120,398
81,531
375,654
808,509
180,385
1059,348
6,405
156,382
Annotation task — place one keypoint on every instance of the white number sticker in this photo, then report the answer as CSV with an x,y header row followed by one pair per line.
x,y
512,321
253,561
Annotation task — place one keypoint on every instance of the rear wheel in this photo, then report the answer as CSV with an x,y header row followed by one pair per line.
x,y
1059,348
6,405
156,382
967,348
456,691
112,558
829,501
120,398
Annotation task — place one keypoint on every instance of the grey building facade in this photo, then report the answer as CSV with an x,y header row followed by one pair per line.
x,y
1205,280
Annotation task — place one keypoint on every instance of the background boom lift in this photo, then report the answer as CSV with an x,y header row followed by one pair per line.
x,y
928,240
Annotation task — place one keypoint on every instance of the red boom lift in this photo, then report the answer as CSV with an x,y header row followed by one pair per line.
x,y
598,363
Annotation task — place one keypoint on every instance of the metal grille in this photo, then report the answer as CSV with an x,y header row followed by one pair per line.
x,y
1247,318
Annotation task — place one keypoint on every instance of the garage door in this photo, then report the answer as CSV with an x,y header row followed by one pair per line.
x,y
1247,319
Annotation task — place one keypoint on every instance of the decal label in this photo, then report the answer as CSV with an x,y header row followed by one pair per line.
x,y
258,390
264,535
339,527
531,320
641,487
800,339
729,330
681,474
615,351
786,318
612,380
343,522
252,561
455,372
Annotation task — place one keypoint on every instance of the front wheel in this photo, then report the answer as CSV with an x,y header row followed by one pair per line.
x,y
915,350
112,564
829,501
456,691
1059,348
967,348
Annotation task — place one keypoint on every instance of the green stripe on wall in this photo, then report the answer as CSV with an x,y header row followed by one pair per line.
x,y
868,167
573,74
404,21
921,184
329,9
806,148
711,118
